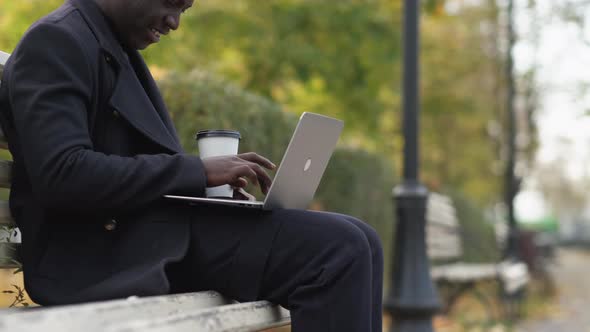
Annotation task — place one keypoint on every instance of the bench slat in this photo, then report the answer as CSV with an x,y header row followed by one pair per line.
x,y
5,218
444,241
5,173
98,316
3,58
203,311
443,245
442,218
433,232
3,143
243,317
443,237
9,255
439,254
462,272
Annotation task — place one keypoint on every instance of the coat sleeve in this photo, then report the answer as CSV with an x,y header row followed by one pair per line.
x,y
50,90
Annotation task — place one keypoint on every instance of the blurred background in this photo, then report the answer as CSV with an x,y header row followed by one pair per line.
x,y
256,65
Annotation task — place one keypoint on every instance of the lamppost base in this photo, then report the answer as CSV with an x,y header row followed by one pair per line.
x,y
417,325
413,299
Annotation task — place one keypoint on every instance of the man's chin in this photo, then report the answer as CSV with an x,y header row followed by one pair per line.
x,y
139,44
142,46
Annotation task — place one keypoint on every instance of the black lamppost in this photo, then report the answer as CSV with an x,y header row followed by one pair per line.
x,y
412,300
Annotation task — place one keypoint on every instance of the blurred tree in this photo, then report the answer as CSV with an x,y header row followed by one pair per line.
x,y
17,16
336,58
565,189
576,12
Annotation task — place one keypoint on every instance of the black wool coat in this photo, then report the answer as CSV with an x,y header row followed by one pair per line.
x,y
94,151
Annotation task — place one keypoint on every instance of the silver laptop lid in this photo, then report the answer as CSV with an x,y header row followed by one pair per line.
x,y
304,162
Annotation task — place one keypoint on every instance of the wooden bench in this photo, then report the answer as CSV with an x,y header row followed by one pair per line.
x,y
201,311
445,249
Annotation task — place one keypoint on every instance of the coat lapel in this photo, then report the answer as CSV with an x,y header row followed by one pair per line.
x,y
153,93
131,101
140,104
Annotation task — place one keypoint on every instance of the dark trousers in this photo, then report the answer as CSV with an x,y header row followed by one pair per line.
x,y
326,268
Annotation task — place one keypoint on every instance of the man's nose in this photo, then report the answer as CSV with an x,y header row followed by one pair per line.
x,y
172,21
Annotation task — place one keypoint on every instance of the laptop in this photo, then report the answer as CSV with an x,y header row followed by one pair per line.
x,y
300,170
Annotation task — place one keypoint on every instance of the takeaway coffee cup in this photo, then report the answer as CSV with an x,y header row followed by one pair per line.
x,y
218,142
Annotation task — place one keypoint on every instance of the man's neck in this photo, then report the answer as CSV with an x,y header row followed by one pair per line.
x,y
106,9
104,5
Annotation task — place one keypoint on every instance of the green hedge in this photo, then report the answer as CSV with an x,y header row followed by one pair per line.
x,y
356,182
201,101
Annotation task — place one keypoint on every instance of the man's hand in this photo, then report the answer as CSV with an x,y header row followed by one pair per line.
x,y
238,170
241,194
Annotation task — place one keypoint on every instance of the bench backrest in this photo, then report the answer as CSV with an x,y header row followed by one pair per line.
x,y
8,234
443,235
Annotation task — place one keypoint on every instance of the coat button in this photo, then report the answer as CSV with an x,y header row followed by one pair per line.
x,y
110,225
108,58
116,114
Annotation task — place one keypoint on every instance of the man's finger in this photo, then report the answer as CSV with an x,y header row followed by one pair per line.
x,y
263,178
247,172
239,183
258,159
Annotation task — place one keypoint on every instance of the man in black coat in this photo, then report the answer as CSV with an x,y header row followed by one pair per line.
x,y
95,150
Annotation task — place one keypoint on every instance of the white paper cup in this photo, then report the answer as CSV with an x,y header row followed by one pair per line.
x,y
218,142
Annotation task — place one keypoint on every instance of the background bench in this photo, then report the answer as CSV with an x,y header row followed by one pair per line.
x,y
454,277
201,311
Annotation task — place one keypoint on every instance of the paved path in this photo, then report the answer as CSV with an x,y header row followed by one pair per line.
x,y
572,278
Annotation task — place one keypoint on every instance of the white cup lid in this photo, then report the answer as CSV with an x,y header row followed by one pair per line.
x,y
218,133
